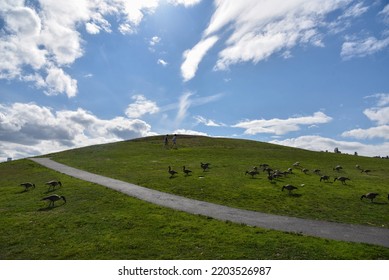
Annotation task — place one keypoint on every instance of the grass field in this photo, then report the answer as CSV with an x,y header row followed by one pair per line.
x,y
98,223
145,162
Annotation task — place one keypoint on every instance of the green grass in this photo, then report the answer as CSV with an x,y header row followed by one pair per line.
x,y
99,223
145,161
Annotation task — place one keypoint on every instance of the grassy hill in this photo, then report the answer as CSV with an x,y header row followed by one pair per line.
x,y
98,223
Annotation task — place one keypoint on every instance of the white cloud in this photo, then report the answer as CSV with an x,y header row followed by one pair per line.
x,y
261,28
385,13
189,132
363,47
207,122
155,40
318,143
355,11
44,38
183,106
29,129
92,28
59,82
281,126
383,98
193,57
379,115
369,133
162,62
186,3
141,107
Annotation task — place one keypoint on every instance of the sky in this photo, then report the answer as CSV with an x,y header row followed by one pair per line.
x,y
302,73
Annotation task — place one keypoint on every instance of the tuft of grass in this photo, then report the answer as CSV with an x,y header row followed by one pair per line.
x,y
99,223
145,161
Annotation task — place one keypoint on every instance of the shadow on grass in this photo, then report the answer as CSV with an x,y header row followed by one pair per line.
x,y
49,208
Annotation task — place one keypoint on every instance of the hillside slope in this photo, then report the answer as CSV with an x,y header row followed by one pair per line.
x,y
145,162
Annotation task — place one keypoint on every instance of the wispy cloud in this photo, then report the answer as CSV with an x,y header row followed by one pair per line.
x,y
363,47
162,62
281,126
262,28
183,106
207,122
193,57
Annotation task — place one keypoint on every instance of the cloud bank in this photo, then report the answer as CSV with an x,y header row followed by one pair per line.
x,y
30,129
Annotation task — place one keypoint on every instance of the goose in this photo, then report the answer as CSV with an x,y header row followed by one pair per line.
x,y
324,178
53,184
305,170
337,168
317,171
370,196
204,166
186,171
252,173
342,179
172,172
290,188
53,198
365,171
27,185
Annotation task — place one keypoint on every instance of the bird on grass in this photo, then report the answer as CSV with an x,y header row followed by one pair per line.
x,y
204,166
290,188
324,178
370,196
53,184
27,185
53,198
186,171
252,173
172,172
342,179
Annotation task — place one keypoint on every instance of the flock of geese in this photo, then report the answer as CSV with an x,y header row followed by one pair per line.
x,y
51,186
273,174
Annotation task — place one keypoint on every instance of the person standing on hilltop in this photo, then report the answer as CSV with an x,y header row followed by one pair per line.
x,y
166,141
174,140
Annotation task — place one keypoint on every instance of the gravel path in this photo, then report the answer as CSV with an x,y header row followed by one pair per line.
x,y
330,230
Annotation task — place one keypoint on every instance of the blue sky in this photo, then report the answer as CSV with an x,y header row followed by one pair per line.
x,y
302,73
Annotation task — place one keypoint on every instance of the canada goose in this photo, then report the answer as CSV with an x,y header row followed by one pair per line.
x,y
53,198
204,166
305,170
27,185
324,178
296,164
290,188
365,171
337,168
370,196
53,184
186,171
316,171
252,173
172,172
342,179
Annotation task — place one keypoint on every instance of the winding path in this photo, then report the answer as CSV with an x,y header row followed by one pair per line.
x,y
323,229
